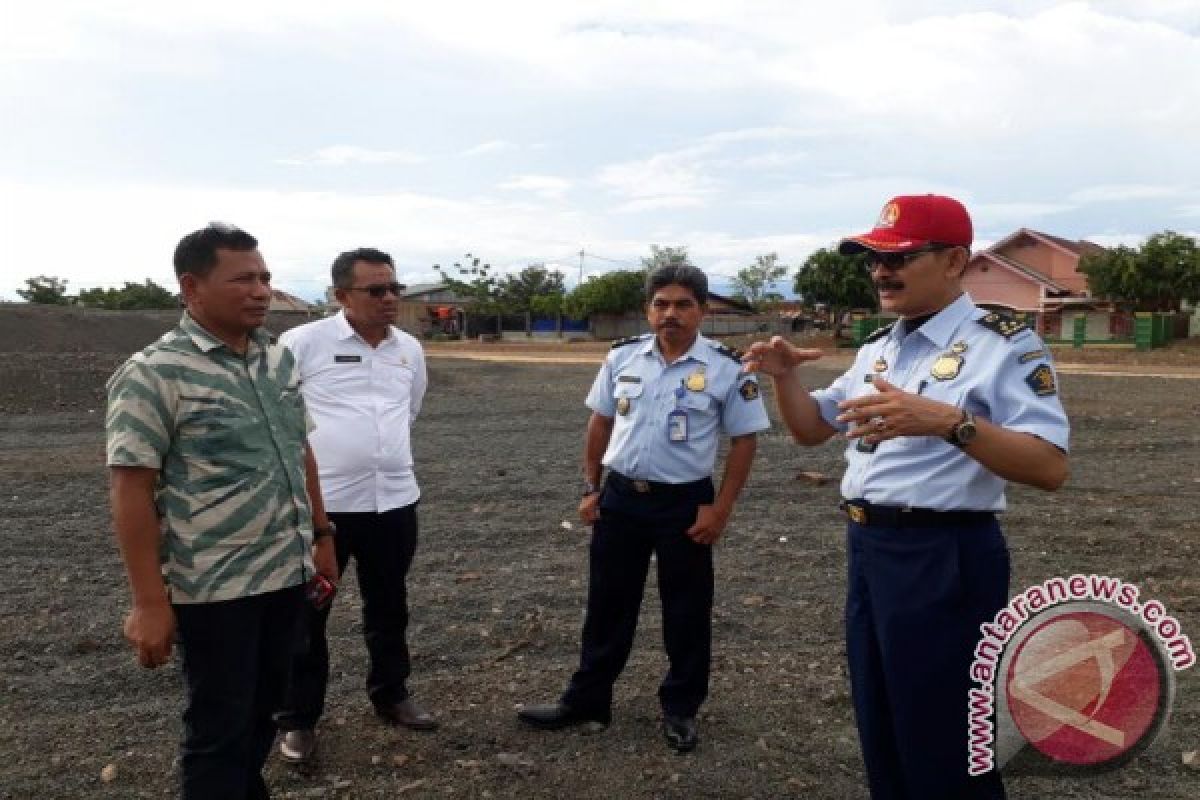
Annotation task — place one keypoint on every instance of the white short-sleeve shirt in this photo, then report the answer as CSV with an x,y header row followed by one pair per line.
x,y
362,401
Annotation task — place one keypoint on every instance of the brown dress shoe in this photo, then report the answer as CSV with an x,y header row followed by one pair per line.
x,y
298,746
408,714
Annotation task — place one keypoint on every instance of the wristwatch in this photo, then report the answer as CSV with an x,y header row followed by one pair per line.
x,y
964,432
589,488
329,529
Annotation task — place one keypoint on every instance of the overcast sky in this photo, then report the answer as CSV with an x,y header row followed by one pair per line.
x,y
526,131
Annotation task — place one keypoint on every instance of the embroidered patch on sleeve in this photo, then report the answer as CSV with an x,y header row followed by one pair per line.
x,y
1032,355
1041,380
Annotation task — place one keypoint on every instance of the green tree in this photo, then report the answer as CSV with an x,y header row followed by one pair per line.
x,y
664,257
753,283
840,282
610,293
477,285
533,290
46,290
130,296
522,291
1158,276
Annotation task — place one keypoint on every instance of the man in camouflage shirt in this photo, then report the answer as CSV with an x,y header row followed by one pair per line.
x,y
214,496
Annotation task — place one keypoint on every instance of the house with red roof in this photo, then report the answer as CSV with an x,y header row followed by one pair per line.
x,y
1030,271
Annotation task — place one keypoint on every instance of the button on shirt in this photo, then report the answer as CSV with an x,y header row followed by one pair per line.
x,y
636,378
362,401
1009,381
226,433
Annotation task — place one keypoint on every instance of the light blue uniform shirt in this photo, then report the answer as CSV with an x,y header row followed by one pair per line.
x,y
637,379
1008,380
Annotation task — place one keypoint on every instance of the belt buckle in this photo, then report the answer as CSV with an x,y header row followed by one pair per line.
x,y
641,486
856,513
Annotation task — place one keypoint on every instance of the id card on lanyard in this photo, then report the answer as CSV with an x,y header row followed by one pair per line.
x,y
677,421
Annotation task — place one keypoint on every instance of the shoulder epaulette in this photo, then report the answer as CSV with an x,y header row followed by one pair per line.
x,y
729,352
878,333
1002,324
629,340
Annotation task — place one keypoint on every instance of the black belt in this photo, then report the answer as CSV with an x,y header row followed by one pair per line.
x,y
625,484
865,513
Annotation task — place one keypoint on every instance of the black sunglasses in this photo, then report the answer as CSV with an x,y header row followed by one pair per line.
x,y
379,290
895,261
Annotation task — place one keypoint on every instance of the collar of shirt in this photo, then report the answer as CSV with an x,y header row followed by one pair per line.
x,y
346,330
941,327
205,342
699,351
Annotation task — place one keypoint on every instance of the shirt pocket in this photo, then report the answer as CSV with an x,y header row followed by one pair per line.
x,y
216,428
394,372
627,396
699,403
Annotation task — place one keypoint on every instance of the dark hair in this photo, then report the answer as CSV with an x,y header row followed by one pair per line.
x,y
342,271
196,253
684,275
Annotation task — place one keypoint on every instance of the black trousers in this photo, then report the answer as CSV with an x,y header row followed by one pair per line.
x,y
916,597
631,527
235,666
382,545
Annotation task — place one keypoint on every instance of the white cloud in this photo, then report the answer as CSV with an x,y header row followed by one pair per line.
x,y
344,154
484,148
1116,239
299,232
774,122
658,203
1017,212
665,180
549,187
1116,192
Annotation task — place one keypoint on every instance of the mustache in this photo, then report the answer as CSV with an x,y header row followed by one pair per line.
x,y
888,283
669,323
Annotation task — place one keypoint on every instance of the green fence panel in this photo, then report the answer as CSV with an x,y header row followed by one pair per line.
x,y
1143,330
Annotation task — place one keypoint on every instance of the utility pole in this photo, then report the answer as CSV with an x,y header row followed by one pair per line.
x,y
581,254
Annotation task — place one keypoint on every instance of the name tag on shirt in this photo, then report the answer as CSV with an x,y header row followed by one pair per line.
x,y
347,359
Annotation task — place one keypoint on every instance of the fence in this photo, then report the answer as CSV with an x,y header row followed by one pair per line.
x,y
611,326
1140,330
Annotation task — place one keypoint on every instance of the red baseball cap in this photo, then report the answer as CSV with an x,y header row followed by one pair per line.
x,y
910,222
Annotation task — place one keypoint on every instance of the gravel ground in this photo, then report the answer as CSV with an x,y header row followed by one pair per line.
x,y
497,594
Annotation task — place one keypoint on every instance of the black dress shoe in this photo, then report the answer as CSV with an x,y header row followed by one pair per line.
x,y
408,714
556,716
681,732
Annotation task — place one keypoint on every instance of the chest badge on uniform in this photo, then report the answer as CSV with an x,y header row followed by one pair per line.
x,y
623,406
1041,380
958,347
880,364
946,367
695,382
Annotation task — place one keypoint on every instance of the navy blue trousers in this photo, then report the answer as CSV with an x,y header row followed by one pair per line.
x,y
235,666
383,546
632,526
915,599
